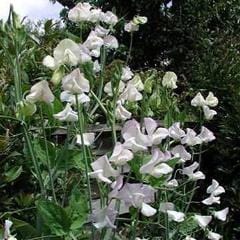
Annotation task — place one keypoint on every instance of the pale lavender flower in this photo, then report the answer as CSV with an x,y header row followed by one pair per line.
x,y
67,115
104,217
102,170
191,138
179,151
206,135
176,132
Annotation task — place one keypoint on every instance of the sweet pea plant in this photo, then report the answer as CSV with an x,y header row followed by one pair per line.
x,y
143,186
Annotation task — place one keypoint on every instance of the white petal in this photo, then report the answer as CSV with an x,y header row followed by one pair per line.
x,y
75,82
175,216
222,214
169,80
122,113
137,82
202,221
88,139
150,125
176,132
40,92
211,100
172,183
161,169
211,200
67,52
180,151
165,206
206,135
131,27
120,156
110,42
208,113
214,236
147,210
198,101
49,62
67,115
127,74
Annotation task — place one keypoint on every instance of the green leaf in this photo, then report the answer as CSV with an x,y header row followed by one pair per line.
x,y
54,217
77,209
13,173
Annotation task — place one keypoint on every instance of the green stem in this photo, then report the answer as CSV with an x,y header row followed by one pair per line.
x,y
47,155
35,162
130,48
134,227
81,130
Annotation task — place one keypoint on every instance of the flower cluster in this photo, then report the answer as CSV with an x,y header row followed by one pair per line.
x,y
167,154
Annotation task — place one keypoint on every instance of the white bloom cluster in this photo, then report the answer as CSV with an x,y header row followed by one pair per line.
x,y
205,104
133,25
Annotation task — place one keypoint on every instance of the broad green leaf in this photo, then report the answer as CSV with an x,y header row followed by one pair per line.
x,y
54,217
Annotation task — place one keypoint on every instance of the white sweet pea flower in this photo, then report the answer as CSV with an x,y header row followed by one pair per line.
x,y
127,74
214,236
40,92
7,233
101,31
108,88
191,138
202,221
172,183
211,100
120,155
121,112
81,12
166,206
169,80
67,52
131,27
110,42
93,41
208,113
8,224
85,54
222,214
131,94
189,171
176,132
156,135
95,52
179,151
211,200
135,140
206,135
67,96
198,101
67,115
102,170
95,15
96,66
156,167
189,238
88,139
49,62
140,20
215,189
147,210
137,82
109,18
175,216
104,217
75,82
138,195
